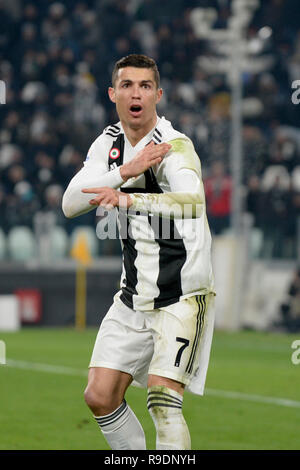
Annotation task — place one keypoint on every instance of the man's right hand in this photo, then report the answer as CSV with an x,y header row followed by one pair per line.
x,y
150,155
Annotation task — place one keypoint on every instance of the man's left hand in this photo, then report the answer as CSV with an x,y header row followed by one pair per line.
x,y
109,198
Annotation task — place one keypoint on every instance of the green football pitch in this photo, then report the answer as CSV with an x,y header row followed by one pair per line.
x,y
252,397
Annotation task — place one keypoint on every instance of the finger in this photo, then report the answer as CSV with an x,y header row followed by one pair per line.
x,y
106,203
162,148
167,147
94,202
158,153
104,199
155,161
152,147
152,151
93,190
164,145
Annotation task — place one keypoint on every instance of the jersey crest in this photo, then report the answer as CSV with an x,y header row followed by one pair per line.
x,y
116,153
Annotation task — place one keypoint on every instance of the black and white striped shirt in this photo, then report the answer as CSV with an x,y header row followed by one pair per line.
x,y
165,237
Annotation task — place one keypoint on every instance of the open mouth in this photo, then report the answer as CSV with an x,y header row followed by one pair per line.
x,y
135,110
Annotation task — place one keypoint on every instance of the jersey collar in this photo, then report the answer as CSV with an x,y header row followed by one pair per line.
x,y
154,135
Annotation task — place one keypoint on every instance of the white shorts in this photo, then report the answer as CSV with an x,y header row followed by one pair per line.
x,y
162,342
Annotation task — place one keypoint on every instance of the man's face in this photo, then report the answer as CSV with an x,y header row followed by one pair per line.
x,y
136,96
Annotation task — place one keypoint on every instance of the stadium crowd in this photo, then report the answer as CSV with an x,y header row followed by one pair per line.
x,y
56,59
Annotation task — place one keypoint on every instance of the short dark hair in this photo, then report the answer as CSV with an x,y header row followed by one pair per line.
x,y
136,60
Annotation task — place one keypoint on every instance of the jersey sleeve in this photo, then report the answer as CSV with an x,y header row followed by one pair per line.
x,y
182,171
182,156
94,173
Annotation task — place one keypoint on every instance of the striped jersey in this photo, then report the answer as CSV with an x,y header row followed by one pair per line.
x,y
165,237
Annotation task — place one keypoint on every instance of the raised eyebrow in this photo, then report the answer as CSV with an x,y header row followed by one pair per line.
x,y
142,82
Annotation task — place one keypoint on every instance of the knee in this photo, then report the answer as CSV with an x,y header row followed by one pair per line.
x,y
100,401
91,397
163,404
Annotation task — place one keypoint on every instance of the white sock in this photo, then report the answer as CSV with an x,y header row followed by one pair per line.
x,y
165,408
122,429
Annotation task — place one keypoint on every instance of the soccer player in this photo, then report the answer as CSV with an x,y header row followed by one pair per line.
x,y
158,331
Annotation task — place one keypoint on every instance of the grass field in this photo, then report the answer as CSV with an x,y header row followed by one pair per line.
x,y
252,398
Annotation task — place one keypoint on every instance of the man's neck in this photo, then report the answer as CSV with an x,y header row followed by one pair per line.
x,y
134,135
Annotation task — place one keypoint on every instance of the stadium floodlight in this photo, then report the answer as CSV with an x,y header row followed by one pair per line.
x,y
238,54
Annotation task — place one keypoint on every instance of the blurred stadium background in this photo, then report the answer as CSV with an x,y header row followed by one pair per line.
x,y
230,72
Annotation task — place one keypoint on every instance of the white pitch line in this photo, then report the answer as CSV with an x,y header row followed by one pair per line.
x,y
45,368
255,398
55,369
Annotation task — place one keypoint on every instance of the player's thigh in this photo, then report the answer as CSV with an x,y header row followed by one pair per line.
x,y
122,340
177,335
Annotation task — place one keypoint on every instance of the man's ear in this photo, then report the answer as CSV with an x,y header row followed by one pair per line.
x,y
159,95
111,94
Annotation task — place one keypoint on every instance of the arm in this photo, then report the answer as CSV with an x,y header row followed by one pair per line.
x,y
75,202
94,176
94,173
182,170
186,199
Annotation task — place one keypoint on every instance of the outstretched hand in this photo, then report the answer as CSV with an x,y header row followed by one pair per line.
x,y
109,198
